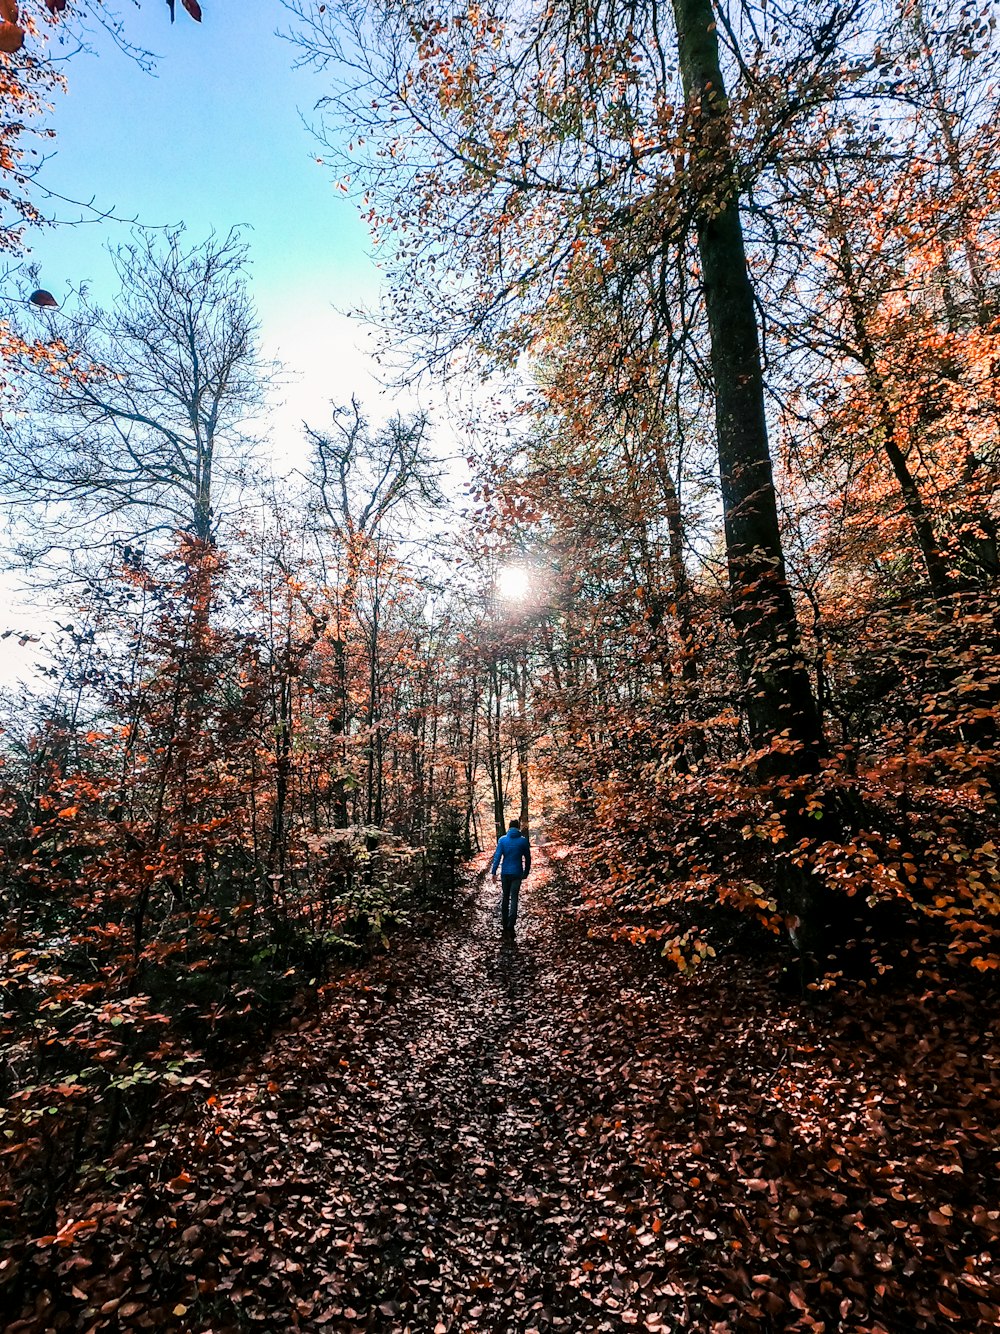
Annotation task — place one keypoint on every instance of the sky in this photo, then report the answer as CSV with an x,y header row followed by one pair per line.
x,y
216,136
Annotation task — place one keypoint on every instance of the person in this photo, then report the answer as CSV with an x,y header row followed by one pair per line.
x,y
513,858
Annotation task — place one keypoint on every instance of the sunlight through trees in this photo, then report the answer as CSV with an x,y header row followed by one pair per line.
x,y
691,569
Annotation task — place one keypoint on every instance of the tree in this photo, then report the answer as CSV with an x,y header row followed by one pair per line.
x,y
139,432
779,696
363,481
547,149
511,158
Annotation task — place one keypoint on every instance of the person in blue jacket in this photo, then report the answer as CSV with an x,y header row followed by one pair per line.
x,y
513,858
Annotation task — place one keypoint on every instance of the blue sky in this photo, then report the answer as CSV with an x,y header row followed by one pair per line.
x,y
213,138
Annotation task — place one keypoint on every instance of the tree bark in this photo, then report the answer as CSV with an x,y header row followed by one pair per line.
x,y
778,695
777,687
494,756
520,673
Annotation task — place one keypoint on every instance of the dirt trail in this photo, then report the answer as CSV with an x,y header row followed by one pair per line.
x,y
451,1141
550,1134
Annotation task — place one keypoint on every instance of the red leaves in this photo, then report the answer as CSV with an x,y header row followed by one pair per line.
x,y
192,7
610,1144
11,38
68,1233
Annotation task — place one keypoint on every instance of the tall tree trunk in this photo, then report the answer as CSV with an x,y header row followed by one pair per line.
x,y
494,756
201,517
372,717
778,691
777,688
469,745
683,600
340,721
428,814
282,692
520,672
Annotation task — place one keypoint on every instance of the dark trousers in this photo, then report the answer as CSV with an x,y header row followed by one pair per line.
x,y
511,887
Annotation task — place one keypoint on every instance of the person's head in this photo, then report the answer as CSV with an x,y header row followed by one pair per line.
x,y
514,824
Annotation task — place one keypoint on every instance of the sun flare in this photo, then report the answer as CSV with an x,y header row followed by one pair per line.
x,y
513,583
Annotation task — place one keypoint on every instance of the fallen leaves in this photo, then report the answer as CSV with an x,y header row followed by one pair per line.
x,y
559,1137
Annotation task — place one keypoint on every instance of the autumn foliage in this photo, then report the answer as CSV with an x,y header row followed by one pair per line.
x,y
726,283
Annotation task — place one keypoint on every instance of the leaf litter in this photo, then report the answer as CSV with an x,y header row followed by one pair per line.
x,y
555,1134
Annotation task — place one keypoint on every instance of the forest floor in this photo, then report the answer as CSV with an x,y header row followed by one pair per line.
x,y
557,1133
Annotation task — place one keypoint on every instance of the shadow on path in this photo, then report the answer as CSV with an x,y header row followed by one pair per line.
x,y
547,1134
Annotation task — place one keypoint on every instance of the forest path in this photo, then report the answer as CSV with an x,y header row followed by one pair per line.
x,y
555,1134
455,1140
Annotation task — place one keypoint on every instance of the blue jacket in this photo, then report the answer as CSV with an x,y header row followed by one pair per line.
x,y
513,850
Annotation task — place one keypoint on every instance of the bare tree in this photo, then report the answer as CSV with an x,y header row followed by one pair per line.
x,y
146,419
364,480
361,476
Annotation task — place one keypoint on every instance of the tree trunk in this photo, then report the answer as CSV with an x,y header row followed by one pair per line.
x,y
494,756
340,720
778,691
920,516
520,671
777,688
694,740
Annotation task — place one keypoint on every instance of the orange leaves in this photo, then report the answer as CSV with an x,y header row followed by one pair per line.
x,y
68,1233
11,38
192,7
